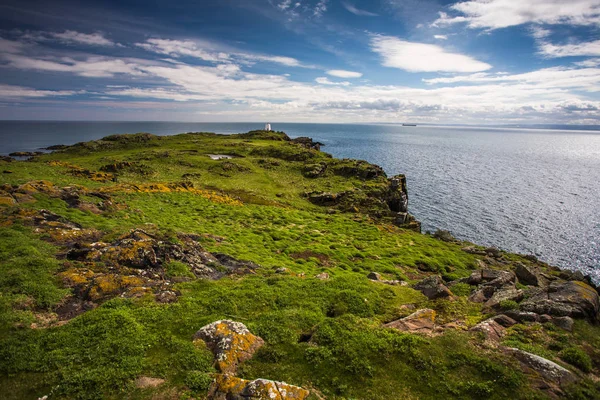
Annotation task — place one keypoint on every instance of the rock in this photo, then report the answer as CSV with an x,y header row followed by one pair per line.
x,y
421,321
7,201
281,270
561,299
491,330
493,252
506,294
528,275
374,276
6,159
545,318
307,143
474,250
144,382
523,316
548,370
227,387
325,198
565,323
314,170
322,276
482,294
504,320
167,296
231,343
491,277
433,288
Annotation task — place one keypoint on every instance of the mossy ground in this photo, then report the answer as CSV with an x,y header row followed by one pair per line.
x,y
324,335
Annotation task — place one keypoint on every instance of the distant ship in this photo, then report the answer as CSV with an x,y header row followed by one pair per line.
x,y
409,124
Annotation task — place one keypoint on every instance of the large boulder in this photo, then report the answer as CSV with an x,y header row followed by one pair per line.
x,y
421,321
433,288
228,387
548,370
565,299
529,275
231,343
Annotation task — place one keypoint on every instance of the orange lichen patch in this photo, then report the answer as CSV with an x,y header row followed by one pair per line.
x,y
111,284
226,386
75,276
7,201
76,170
231,343
41,186
135,253
23,198
137,292
180,187
60,235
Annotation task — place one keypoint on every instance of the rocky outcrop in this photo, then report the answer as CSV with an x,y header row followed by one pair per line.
x,y
573,299
228,387
374,276
433,288
307,143
421,321
231,343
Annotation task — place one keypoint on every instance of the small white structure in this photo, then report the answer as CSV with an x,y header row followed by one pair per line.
x,y
267,127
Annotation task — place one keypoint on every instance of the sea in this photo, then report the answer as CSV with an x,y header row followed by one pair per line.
x,y
530,191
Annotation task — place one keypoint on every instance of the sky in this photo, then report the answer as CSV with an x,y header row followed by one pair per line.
x,y
350,61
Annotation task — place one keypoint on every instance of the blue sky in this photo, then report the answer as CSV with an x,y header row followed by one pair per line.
x,y
474,61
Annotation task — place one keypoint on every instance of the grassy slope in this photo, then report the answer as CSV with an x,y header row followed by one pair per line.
x,y
98,354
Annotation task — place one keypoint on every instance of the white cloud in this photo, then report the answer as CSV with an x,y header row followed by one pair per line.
x,y
9,46
210,52
320,8
363,13
550,50
340,73
326,81
284,5
592,62
91,67
178,48
421,57
71,37
584,79
494,14
440,37
93,39
16,92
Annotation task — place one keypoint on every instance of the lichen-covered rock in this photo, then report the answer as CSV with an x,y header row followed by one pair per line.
x,y
522,316
548,370
565,299
322,276
421,321
492,331
565,323
506,294
433,288
228,387
231,343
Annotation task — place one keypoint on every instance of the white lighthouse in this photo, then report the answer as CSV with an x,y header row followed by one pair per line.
x,y
268,127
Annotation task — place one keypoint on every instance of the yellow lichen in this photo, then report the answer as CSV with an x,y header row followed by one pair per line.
x,y
174,187
74,276
7,201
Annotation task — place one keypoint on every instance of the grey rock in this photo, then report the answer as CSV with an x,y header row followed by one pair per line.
x,y
504,295
523,316
528,275
565,323
504,320
548,370
433,288
421,321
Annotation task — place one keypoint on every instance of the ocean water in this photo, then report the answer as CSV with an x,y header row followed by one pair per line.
x,y
534,191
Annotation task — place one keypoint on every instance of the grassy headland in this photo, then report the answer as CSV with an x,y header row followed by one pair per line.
x,y
113,253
